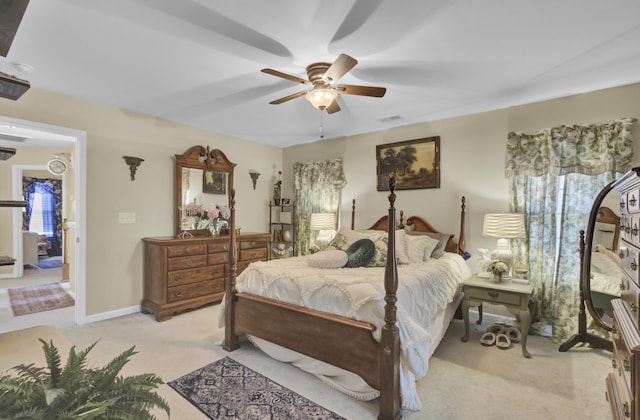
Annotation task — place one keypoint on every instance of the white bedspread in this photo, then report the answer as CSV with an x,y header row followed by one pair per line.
x,y
425,290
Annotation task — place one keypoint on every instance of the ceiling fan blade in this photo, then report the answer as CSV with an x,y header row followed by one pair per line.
x,y
377,92
288,98
339,68
286,76
334,107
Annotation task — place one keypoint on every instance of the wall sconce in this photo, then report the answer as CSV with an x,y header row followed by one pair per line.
x,y
254,177
133,163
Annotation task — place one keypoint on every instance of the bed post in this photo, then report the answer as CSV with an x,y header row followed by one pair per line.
x,y
390,339
461,242
230,337
353,214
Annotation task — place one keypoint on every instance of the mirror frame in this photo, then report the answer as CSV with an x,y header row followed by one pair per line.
x,y
199,157
586,263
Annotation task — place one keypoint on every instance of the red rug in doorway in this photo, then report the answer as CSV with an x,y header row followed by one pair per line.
x,y
44,297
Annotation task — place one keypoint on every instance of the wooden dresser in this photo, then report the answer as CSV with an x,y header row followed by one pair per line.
x,y
181,274
623,384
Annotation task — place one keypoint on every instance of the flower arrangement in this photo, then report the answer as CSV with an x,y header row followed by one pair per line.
x,y
497,267
277,189
208,216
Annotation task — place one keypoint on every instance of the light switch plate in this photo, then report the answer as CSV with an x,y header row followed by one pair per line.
x,y
126,218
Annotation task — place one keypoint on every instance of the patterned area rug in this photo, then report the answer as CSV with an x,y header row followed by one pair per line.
x,y
227,389
50,264
45,297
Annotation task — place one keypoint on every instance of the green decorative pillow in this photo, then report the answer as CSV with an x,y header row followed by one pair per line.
x,y
360,253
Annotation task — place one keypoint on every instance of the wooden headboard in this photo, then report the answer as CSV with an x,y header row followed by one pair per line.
x,y
420,225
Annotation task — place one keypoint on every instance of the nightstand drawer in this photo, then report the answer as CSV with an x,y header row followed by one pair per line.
x,y
494,296
253,254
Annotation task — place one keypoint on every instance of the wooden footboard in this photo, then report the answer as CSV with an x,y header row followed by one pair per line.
x,y
317,334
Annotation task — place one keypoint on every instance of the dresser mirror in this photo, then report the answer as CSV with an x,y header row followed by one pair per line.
x,y
203,177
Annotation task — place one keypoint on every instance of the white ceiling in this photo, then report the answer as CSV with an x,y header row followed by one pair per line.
x,y
198,61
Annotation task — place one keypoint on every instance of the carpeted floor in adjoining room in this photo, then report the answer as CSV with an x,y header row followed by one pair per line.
x,y
465,380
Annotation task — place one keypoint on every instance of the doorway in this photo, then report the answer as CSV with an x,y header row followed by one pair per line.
x,y
49,136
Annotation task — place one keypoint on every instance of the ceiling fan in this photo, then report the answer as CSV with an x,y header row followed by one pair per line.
x,y
322,77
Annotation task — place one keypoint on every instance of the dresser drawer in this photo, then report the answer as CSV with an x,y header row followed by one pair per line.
x,y
219,247
184,250
182,263
629,261
633,205
194,275
495,296
253,254
178,278
630,296
193,290
219,258
621,361
257,243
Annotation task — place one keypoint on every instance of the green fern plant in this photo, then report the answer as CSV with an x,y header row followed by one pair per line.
x,y
77,391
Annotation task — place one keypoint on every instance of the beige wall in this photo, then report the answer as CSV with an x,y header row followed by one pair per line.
x,y
114,269
471,158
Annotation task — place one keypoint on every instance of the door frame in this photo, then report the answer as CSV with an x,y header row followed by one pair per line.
x,y
79,160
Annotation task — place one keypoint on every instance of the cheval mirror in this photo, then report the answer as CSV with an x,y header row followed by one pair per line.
x,y
202,176
600,273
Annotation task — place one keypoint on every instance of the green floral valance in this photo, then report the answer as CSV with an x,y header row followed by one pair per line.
x,y
586,149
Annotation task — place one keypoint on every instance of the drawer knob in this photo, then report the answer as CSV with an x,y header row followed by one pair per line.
x,y
493,294
187,250
188,262
633,306
634,265
178,278
178,294
634,230
626,365
633,201
613,363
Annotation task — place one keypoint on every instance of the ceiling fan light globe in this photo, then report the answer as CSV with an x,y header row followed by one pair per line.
x,y
321,98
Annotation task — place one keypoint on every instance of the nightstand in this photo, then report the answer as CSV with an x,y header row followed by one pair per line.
x,y
512,295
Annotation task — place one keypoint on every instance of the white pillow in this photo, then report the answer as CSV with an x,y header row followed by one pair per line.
x,y
420,247
332,258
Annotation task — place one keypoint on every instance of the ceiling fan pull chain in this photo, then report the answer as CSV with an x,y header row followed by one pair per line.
x,y
321,134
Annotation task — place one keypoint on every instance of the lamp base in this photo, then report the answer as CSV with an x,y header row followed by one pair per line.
x,y
503,253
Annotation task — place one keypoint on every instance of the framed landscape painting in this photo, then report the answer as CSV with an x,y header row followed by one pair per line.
x,y
415,164
214,182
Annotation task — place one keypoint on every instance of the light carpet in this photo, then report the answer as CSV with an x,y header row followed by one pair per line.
x,y
465,380
226,389
40,298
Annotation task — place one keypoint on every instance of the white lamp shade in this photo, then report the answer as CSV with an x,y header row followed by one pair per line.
x,y
322,221
504,225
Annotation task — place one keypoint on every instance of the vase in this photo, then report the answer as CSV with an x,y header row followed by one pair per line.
x,y
276,201
497,277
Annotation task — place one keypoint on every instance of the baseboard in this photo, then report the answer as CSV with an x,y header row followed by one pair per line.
x,y
111,314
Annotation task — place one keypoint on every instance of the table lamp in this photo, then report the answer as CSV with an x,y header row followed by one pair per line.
x,y
504,226
322,222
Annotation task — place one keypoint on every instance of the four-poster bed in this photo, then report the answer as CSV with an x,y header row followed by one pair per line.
x,y
341,341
